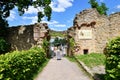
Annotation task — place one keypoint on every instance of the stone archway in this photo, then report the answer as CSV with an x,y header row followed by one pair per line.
x,y
54,46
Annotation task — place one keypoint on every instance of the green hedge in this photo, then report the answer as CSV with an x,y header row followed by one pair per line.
x,y
21,65
4,46
112,53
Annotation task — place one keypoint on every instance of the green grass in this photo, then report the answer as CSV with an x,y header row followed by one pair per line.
x,y
92,59
55,34
72,59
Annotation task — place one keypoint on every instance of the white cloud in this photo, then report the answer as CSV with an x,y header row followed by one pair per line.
x,y
118,7
112,12
33,18
51,22
32,10
12,16
56,29
60,25
61,5
54,23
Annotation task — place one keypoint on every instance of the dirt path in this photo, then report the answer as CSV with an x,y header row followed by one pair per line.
x,y
62,70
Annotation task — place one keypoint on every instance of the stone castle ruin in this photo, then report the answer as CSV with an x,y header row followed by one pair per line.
x,y
25,37
91,31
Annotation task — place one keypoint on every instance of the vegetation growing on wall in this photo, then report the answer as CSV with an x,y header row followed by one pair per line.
x,y
71,45
45,46
112,53
102,9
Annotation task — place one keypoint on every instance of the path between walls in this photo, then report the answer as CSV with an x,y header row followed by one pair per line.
x,y
62,70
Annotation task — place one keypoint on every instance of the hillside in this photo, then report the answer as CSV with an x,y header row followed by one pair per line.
x,y
58,33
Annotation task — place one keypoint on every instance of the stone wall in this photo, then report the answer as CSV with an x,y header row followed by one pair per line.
x,y
26,36
93,31
114,25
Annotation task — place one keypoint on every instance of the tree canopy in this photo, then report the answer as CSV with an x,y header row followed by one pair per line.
x,y
23,5
102,9
58,42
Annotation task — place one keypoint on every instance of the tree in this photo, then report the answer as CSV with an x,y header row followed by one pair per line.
x,y
23,5
56,42
93,3
102,9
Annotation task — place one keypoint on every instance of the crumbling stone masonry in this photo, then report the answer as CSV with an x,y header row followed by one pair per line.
x,y
25,37
91,31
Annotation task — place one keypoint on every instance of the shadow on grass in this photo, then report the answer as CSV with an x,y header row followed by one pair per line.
x,y
99,76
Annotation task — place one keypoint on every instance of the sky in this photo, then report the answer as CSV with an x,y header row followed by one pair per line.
x,y
63,13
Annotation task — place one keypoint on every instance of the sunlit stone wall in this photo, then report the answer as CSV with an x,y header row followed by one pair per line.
x,y
26,36
92,30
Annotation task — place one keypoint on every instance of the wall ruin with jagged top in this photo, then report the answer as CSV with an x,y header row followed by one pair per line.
x,y
26,36
92,31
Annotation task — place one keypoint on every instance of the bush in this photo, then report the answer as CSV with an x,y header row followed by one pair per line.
x,y
112,53
45,46
21,65
3,46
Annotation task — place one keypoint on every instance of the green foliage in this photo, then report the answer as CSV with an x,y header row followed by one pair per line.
x,y
57,33
93,3
58,42
71,58
21,65
45,45
3,26
112,53
92,60
102,9
72,43
23,5
48,11
4,46
63,41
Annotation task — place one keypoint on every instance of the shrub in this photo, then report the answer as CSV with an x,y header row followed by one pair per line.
x,y
112,53
21,65
45,46
71,46
3,46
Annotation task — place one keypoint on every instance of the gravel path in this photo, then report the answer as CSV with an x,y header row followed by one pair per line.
x,y
62,70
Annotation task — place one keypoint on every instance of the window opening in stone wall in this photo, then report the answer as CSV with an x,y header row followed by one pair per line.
x,y
85,51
